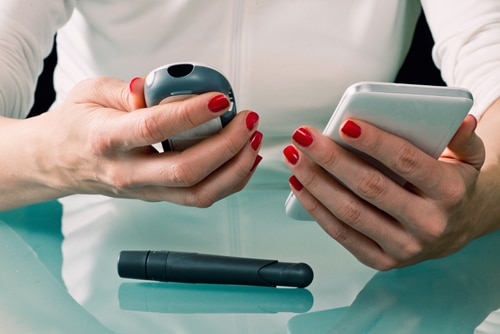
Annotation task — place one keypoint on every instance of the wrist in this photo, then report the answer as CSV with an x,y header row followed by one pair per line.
x,y
485,205
26,176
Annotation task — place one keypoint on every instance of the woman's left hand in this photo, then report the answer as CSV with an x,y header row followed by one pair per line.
x,y
386,225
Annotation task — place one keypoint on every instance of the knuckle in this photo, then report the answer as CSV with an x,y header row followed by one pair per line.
x,y
240,171
95,85
315,208
372,185
239,187
182,174
329,159
149,129
202,200
337,232
434,232
187,116
231,144
100,143
119,182
375,144
350,213
410,250
430,227
148,194
453,192
385,264
405,160
381,262
311,180
99,87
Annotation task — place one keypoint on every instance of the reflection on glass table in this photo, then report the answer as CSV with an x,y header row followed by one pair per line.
x,y
59,272
207,298
452,295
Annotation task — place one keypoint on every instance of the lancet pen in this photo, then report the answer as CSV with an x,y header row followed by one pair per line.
x,y
168,266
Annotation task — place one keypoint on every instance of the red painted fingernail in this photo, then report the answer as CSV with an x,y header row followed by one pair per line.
x,y
258,159
303,137
295,183
251,120
256,140
218,103
291,154
351,129
132,85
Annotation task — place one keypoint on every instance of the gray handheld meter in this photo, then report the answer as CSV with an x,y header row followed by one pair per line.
x,y
187,79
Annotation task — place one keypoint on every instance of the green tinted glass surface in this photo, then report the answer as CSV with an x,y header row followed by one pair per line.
x,y
59,272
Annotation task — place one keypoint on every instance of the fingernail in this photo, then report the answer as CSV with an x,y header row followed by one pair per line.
x,y
303,137
251,120
218,103
256,140
291,154
351,129
258,159
295,183
132,86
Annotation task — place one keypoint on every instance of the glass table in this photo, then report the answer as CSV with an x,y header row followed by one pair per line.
x,y
59,272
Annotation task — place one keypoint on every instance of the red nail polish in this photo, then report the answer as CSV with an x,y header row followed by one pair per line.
x,y
258,159
256,140
132,85
218,103
251,120
351,129
291,154
303,137
295,183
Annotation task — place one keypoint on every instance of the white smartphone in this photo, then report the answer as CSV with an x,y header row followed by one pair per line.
x,y
426,116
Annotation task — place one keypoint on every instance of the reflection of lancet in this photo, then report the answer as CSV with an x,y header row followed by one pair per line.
x,y
207,298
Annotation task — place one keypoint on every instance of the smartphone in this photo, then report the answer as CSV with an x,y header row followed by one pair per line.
x,y
426,116
179,79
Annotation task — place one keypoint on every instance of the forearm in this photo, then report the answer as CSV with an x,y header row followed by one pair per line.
x,y
27,31
488,185
25,175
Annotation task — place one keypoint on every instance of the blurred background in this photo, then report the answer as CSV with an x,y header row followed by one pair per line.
x,y
418,68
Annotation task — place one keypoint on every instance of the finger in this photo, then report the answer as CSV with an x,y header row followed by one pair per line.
x,y
228,179
149,126
401,157
104,92
363,210
465,145
359,176
364,248
136,89
215,151
191,166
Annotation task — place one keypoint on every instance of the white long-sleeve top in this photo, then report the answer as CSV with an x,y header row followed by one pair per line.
x,y
289,60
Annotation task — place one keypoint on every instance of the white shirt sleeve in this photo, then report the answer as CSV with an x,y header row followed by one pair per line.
x,y
27,29
467,46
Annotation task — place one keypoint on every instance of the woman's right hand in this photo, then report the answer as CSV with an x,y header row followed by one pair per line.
x,y
99,141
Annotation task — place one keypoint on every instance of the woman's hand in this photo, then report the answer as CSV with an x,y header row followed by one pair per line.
x,y
99,141
383,224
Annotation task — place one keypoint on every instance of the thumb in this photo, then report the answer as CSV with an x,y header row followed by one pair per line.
x,y
136,93
466,145
109,93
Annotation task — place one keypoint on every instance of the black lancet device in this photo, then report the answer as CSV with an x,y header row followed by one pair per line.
x,y
168,266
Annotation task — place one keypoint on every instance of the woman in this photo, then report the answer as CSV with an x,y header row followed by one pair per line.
x,y
291,61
